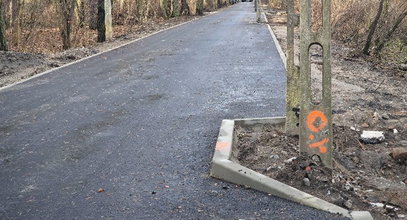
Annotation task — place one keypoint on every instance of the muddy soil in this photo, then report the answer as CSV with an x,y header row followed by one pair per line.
x,y
365,176
16,66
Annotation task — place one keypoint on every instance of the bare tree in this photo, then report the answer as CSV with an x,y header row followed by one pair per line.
x,y
199,7
3,41
80,12
373,27
184,7
16,21
66,12
165,6
104,23
175,8
388,35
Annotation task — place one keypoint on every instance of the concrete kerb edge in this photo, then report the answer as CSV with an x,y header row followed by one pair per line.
x,y
276,43
100,53
225,168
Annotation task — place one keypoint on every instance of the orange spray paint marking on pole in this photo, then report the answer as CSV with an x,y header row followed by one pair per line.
x,y
311,119
323,122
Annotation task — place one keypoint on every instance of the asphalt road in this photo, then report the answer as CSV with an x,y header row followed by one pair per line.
x,y
141,122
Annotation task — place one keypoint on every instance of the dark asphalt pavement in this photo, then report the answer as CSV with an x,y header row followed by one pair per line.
x,y
141,123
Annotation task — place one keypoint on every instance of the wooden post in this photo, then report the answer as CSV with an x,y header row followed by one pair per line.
x,y
105,29
316,119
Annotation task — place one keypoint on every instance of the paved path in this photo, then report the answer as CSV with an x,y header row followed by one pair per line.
x,y
141,122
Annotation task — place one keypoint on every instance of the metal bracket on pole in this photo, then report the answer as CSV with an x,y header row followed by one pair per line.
x,y
316,119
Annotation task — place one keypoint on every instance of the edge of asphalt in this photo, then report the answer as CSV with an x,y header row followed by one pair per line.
x,y
275,41
225,167
111,49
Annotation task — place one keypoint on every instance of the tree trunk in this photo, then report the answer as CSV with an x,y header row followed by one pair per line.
x,y
16,22
8,8
147,11
3,41
67,9
140,10
184,7
199,7
80,12
104,20
373,27
390,33
93,20
175,8
163,6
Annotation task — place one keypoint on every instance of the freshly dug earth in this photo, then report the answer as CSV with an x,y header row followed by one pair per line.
x,y
365,177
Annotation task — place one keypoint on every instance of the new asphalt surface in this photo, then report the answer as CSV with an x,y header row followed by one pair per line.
x,y
139,124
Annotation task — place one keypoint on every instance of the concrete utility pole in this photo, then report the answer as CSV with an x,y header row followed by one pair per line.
x,y
105,29
293,75
316,119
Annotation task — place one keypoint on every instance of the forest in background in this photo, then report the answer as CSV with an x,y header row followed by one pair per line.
x,y
50,26
376,29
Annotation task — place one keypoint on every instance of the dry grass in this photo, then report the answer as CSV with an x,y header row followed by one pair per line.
x,y
40,22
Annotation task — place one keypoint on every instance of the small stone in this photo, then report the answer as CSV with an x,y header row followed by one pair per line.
x,y
306,182
101,190
395,131
385,116
348,204
290,160
365,125
348,187
352,128
389,208
274,157
403,67
399,153
372,137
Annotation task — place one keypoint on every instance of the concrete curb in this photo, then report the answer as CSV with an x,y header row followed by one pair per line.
x,y
276,43
225,167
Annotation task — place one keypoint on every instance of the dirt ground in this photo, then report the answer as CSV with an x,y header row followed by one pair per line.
x,y
365,176
16,66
